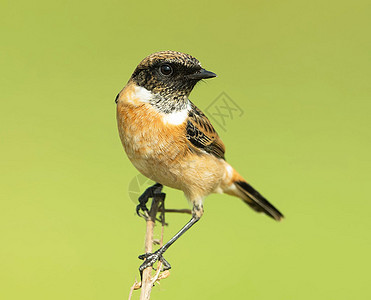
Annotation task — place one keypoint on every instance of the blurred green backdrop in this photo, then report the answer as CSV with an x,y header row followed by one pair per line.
x,y
300,71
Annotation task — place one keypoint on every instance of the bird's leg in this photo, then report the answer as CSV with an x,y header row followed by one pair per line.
x,y
151,258
150,192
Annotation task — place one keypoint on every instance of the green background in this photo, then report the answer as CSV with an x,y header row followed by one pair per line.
x,y
300,70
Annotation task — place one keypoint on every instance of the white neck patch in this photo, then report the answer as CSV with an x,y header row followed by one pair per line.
x,y
176,118
141,94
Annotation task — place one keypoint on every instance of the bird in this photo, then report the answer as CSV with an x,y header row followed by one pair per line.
x,y
171,141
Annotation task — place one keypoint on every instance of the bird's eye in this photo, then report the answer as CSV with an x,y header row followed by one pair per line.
x,y
166,70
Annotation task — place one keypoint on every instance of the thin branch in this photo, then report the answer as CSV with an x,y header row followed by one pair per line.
x,y
147,283
157,206
183,211
133,287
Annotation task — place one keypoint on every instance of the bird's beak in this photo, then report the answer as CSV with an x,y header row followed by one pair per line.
x,y
202,74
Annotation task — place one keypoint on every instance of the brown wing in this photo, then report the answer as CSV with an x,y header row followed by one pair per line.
x,y
202,135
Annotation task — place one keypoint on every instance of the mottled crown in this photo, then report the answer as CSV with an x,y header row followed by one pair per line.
x,y
170,57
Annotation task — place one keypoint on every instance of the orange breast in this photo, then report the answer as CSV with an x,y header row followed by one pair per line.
x,y
153,148
143,133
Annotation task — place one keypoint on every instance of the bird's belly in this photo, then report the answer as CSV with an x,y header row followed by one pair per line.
x,y
156,163
195,175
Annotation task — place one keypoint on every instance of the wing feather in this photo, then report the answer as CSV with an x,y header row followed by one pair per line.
x,y
202,135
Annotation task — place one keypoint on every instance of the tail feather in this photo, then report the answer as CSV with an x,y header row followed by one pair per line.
x,y
256,201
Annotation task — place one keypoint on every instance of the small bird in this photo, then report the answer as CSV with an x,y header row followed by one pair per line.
x,y
169,140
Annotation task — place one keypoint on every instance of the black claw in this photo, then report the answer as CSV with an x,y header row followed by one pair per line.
x,y
161,195
141,207
144,256
150,192
166,264
151,258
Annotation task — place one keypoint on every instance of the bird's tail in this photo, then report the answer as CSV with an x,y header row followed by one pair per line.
x,y
240,188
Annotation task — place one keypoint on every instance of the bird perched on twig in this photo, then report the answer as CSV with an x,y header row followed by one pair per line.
x,y
169,140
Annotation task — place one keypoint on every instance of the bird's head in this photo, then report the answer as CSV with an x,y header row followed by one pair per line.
x,y
170,74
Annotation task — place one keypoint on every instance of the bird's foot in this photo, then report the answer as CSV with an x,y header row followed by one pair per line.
x,y
151,258
145,212
150,192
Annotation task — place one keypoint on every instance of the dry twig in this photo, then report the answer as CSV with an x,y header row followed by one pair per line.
x,y
147,280
134,287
